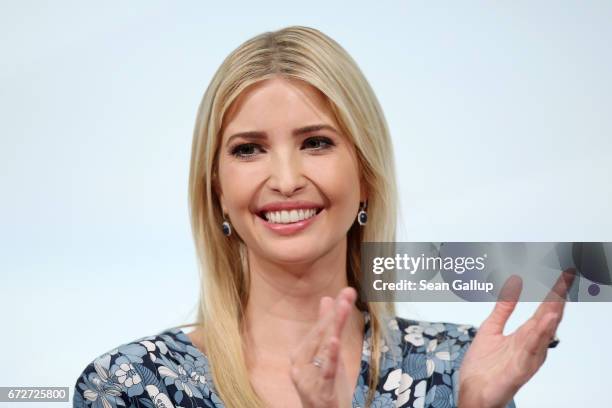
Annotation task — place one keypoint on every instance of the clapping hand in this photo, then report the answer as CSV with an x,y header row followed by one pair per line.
x,y
317,371
497,365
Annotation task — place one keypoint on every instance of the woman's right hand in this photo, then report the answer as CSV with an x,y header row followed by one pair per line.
x,y
326,386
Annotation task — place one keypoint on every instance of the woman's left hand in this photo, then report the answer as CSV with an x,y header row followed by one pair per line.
x,y
497,365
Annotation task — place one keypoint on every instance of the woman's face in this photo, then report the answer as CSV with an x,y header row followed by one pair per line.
x,y
280,162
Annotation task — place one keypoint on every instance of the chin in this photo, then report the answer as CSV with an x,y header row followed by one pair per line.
x,y
293,254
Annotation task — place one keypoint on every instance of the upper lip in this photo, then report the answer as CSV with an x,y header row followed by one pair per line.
x,y
288,205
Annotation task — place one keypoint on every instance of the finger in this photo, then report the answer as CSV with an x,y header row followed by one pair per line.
x,y
340,314
556,298
312,343
536,345
343,309
331,358
307,348
542,333
562,285
328,306
325,305
321,343
327,310
329,369
349,293
505,305
525,331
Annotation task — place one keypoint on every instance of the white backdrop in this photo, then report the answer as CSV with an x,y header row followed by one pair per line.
x,y
499,115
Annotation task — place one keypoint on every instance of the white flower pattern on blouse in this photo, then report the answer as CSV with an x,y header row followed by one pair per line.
x,y
419,369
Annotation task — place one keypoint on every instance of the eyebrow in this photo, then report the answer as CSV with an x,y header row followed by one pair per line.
x,y
259,135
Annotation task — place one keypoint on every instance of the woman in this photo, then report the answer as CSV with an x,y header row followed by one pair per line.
x,y
291,169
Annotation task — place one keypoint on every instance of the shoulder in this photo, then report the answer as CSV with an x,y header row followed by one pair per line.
x,y
150,371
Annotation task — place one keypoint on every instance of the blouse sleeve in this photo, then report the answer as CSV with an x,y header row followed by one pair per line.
x,y
94,388
153,372
462,336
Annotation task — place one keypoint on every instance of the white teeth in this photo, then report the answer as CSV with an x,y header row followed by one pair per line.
x,y
286,217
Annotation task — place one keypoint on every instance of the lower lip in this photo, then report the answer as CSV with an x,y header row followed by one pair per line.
x,y
292,228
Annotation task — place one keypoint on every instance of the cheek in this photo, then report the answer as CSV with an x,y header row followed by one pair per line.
x,y
338,177
238,182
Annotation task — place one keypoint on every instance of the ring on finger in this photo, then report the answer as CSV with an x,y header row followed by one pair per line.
x,y
317,362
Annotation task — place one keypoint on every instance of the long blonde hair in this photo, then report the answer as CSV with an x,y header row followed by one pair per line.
x,y
306,54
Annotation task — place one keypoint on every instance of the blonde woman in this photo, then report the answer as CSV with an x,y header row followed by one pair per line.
x,y
291,169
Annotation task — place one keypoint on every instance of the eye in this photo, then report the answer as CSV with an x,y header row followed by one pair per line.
x,y
244,150
318,143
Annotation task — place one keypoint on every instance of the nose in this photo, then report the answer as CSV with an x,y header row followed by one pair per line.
x,y
286,174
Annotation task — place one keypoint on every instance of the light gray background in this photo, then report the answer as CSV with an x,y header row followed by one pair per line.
x,y
499,113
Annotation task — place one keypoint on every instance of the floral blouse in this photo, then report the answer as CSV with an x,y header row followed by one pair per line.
x,y
167,370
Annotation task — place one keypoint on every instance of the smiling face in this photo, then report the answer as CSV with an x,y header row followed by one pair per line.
x,y
295,155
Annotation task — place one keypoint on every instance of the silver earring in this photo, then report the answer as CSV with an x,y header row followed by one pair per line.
x,y
227,227
362,216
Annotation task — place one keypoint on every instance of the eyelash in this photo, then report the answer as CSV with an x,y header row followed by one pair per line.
x,y
235,151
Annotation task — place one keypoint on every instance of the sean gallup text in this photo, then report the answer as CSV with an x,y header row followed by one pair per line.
x,y
423,285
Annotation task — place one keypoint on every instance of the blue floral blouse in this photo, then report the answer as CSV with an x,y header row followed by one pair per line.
x,y
167,370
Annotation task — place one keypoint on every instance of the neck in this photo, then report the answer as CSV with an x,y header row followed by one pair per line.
x,y
283,303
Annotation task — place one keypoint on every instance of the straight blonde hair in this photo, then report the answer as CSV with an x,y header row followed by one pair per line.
x,y
308,55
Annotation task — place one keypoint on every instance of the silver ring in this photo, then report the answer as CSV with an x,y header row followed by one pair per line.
x,y
317,362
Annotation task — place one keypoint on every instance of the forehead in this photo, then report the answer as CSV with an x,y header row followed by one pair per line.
x,y
277,104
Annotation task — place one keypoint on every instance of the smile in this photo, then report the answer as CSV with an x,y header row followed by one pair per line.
x,y
289,222
289,216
